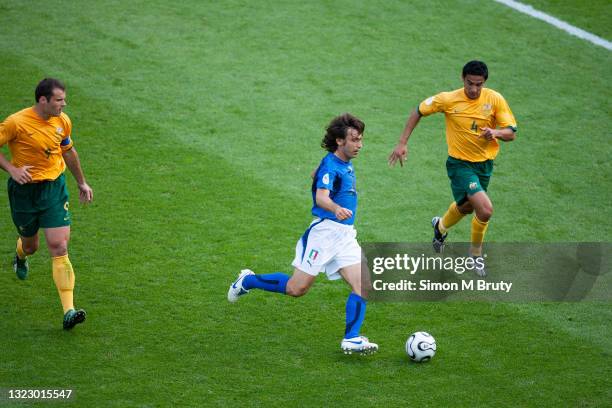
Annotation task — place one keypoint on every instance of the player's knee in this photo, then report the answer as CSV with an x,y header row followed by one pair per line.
x,y
29,247
465,208
296,290
485,213
59,248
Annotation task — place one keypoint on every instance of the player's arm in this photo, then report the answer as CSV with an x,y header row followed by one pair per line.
x,y
506,124
507,134
326,203
19,174
433,104
400,152
74,165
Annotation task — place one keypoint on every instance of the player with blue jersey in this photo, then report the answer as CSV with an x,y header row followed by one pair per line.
x,y
329,244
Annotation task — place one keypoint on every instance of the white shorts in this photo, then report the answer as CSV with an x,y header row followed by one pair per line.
x,y
327,246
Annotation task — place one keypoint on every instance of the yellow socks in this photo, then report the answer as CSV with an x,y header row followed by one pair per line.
x,y
19,249
63,276
479,229
450,218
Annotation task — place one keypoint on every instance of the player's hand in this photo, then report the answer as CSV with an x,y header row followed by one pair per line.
x,y
343,213
85,193
398,154
488,133
21,174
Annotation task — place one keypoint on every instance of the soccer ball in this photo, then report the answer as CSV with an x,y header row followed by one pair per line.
x,y
420,346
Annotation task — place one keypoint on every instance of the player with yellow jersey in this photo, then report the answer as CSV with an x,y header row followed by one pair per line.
x,y
39,140
477,118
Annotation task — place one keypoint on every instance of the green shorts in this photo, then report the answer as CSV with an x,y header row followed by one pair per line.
x,y
468,178
39,205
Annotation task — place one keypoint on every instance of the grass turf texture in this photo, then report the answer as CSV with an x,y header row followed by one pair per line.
x,y
198,125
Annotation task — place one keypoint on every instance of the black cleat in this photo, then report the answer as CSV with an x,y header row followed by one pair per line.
x,y
21,267
438,239
73,317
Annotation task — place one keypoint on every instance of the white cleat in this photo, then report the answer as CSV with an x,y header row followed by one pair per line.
x,y
479,266
359,345
236,290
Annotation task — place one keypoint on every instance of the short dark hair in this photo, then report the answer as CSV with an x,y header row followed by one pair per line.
x,y
46,86
476,68
338,128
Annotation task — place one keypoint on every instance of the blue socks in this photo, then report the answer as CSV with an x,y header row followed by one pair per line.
x,y
277,282
272,282
355,313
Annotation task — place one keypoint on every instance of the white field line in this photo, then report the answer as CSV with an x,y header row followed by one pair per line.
x,y
568,28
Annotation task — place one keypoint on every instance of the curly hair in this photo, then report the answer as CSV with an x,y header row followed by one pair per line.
x,y
338,129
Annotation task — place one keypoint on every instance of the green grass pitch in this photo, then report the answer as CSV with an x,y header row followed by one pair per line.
x,y
198,124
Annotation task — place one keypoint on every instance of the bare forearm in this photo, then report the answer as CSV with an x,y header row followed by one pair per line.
x,y
326,203
73,163
5,164
411,123
506,134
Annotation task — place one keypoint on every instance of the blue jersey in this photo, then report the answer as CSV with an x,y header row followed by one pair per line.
x,y
338,177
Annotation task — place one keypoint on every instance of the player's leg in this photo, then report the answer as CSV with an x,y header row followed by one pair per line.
x,y
312,250
465,208
297,285
300,283
25,214
57,240
55,221
63,274
25,246
459,174
453,215
355,310
349,263
483,210
441,225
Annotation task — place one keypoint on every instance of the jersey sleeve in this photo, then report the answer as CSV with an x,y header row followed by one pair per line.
x,y
66,143
432,104
325,178
7,131
503,115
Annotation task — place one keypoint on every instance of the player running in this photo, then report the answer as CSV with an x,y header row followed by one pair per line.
x,y
329,243
476,119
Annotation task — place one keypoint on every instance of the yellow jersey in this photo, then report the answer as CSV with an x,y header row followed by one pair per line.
x,y
35,142
465,117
